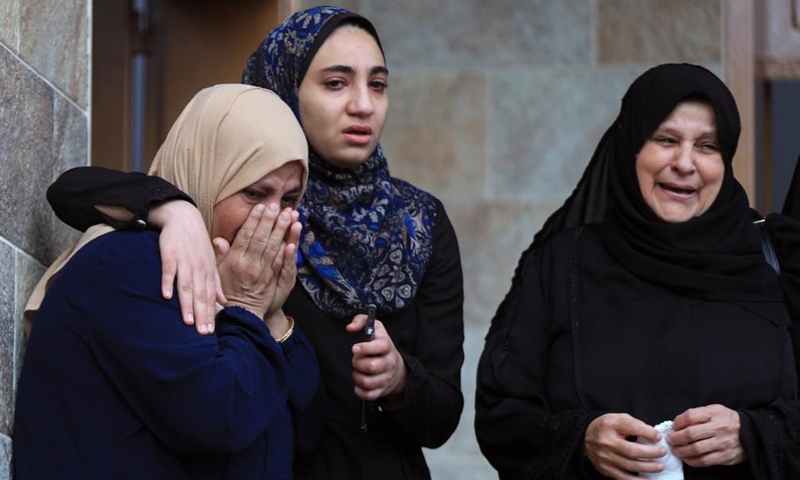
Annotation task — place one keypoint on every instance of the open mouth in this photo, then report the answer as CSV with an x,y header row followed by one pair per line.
x,y
360,130
679,190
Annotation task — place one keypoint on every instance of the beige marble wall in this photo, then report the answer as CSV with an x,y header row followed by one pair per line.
x,y
44,72
497,106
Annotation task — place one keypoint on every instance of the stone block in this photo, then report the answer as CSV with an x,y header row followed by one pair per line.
x,y
7,327
460,457
491,238
26,120
54,41
544,125
9,24
653,32
480,34
28,273
5,457
70,149
435,136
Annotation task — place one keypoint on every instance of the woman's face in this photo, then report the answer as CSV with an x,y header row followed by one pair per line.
x,y
680,167
281,186
343,98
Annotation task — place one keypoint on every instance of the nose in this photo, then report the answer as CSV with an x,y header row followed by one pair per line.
x,y
684,163
360,102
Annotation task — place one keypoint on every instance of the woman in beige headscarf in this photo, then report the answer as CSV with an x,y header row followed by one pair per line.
x,y
113,387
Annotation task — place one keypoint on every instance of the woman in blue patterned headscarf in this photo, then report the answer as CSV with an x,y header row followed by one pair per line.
x,y
371,250
367,238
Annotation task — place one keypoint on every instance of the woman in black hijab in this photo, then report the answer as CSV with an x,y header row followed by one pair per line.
x,y
645,299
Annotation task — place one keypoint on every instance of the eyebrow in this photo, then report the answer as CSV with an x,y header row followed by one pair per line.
x,y
676,131
266,185
350,70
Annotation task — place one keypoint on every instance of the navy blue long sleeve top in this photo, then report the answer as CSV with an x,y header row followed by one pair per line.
x,y
114,385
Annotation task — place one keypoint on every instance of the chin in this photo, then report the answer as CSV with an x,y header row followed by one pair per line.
x,y
350,159
677,218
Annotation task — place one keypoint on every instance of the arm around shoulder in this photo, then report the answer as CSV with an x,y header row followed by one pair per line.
x,y
75,195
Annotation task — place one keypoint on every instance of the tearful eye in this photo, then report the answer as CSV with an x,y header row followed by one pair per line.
x,y
253,194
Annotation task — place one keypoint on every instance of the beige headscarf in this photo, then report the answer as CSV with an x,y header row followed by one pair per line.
x,y
227,138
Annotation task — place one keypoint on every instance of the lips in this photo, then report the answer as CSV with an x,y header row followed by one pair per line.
x,y
358,134
680,190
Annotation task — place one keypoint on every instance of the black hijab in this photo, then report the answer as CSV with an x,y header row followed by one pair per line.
x,y
715,256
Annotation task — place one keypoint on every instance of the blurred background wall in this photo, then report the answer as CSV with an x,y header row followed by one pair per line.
x,y
496,107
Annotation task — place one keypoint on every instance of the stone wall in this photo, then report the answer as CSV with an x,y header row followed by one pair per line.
x,y
496,107
44,125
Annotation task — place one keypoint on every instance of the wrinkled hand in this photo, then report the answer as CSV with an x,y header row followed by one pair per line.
x,y
378,368
251,268
288,272
707,436
614,456
186,252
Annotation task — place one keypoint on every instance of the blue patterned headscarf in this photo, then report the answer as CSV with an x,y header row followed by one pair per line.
x,y
367,237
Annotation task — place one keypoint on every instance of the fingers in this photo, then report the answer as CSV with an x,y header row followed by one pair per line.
x,y
708,436
692,416
288,270
376,377
218,288
247,230
613,455
221,248
262,235
168,271
204,299
378,368
268,233
188,263
295,229
358,323
381,343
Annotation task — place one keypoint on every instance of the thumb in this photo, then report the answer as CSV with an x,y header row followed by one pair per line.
x,y
358,323
221,248
220,294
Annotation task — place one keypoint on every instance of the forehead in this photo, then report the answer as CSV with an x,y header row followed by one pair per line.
x,y
290,171
694,112
349,45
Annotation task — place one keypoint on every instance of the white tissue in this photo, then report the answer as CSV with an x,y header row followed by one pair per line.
x,y
673,467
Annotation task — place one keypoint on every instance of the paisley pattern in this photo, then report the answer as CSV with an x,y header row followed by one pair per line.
x,y
367,237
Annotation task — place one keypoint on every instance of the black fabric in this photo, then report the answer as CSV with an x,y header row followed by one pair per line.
x,y
589,337
429,336
75,193
791,204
